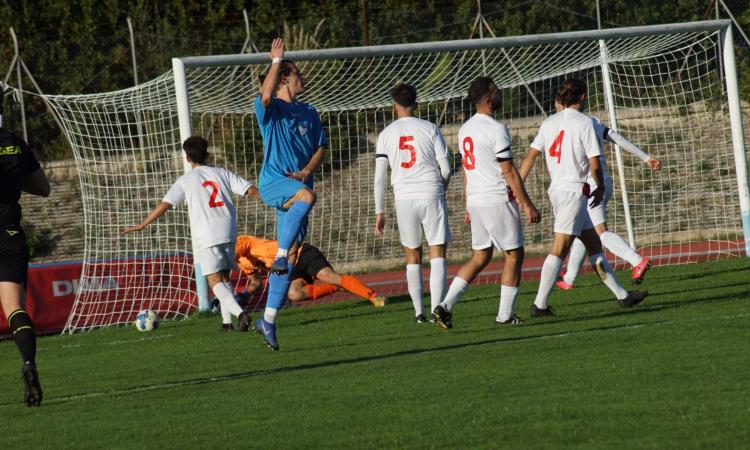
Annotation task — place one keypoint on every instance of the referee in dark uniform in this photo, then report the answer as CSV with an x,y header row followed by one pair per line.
x,y
19,171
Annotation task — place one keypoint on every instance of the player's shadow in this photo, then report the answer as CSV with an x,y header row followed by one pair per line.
x,y
327,364
642,309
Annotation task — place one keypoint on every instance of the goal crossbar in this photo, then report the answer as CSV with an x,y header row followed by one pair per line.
x,y
458,45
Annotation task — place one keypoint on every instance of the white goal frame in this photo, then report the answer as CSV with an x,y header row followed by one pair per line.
x,y
180,65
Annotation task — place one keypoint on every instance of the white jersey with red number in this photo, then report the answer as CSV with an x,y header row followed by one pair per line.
x,y
601,133
568,140
482,140
413,147
207,191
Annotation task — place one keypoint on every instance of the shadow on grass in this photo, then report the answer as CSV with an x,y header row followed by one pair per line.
x,y
327,364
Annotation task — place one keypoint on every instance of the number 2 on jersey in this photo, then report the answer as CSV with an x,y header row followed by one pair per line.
x,y
469,160
402,145
556,149
212,203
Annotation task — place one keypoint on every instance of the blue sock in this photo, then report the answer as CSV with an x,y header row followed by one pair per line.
x,y
293,224
278,287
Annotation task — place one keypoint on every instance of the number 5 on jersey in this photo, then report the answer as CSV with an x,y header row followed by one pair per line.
x,y
402,145
212,203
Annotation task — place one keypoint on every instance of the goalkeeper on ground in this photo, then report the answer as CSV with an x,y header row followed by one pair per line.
x,y
255,256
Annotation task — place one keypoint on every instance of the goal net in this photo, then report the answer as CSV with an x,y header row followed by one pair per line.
x,y
666,94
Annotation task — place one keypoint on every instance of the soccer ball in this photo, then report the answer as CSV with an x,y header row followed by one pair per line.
x,y
146,320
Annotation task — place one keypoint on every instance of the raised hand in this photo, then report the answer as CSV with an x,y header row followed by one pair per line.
x,y
277,49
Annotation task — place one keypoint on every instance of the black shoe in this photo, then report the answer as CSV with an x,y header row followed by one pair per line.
x,y
633,298
32,389
442,317
243,322
226,328
280,266
513,320
420,319
539,312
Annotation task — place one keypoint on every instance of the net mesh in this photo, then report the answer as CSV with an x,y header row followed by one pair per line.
x,y
668,98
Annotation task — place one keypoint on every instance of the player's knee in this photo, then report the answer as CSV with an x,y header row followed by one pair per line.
x,y
515,256
307,196
327,275
296,294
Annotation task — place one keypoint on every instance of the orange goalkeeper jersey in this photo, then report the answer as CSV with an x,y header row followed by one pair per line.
x,y
255,254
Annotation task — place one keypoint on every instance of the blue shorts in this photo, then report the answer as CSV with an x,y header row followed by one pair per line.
x,y
278,192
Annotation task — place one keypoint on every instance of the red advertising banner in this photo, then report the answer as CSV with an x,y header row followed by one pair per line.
x,y
50,292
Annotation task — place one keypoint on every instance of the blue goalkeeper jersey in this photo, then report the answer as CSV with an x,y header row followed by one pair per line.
x,y
292,132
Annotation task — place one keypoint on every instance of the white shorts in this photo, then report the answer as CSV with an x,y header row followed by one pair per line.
x,y
414,214
495,223
571,212
598,214
216,258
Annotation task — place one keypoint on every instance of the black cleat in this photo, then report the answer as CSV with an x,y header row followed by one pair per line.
x,y
420,319
226,328
32,389
539,312
442,317
280,266
513,320
243,322
633,298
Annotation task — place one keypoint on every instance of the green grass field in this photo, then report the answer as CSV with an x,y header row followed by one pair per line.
x,y
672,373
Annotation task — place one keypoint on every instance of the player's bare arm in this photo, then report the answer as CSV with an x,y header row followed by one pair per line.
x,y
272,78
311,167
516,185
598,175
467,216
37,183
157,212
528,163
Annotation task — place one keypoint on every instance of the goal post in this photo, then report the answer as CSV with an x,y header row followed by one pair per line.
x,y
738,136
662,89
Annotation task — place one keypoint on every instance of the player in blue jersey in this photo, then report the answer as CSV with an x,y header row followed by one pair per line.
x,y
294,144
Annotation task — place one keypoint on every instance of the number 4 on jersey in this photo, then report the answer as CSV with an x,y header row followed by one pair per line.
x,y
556,149
212,203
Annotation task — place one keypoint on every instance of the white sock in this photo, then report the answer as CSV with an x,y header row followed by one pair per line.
x,y
281,252
269,315
507,302
226,316
620,248
455,292
437,281
550,269
609,278
414,281
226,298
575,260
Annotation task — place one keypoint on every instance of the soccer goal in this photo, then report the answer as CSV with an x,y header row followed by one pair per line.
x,y
671,89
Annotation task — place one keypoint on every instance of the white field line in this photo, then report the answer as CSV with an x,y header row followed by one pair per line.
x,y
218,379
120,342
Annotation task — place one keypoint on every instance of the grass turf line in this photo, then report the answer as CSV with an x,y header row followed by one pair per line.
x,y
669,374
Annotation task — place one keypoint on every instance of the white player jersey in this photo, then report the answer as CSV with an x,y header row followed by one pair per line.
x,y
601,133
207,191
568,140
413,147
482,140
